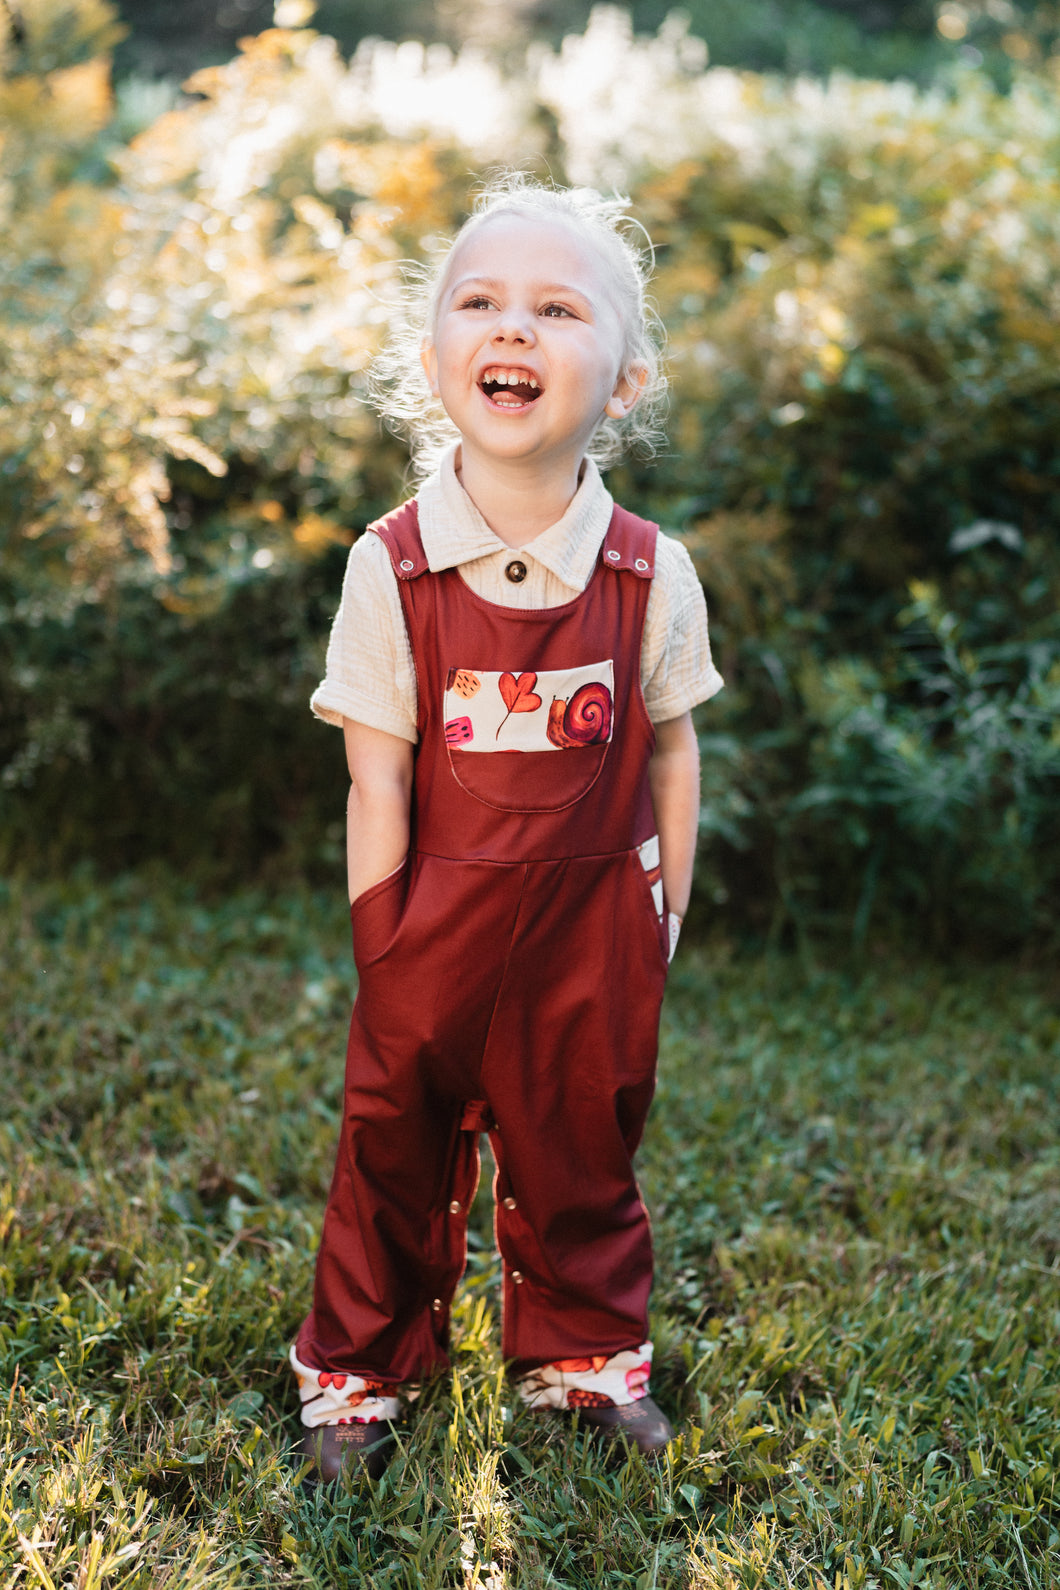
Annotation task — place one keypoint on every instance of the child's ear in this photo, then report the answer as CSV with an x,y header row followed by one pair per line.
x,y
628,389
429,361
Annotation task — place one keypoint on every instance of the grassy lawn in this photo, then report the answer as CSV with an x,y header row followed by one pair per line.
x,y
855,1185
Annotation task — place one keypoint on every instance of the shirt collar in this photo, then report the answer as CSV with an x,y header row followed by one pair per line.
x,y
454,532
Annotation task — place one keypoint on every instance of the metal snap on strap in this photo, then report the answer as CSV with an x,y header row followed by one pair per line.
x,y
613,555
407,564
640,564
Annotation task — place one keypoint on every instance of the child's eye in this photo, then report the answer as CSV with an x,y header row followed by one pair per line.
x,y
477,302
558,309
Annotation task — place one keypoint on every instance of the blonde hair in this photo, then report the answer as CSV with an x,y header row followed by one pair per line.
x,y
398,385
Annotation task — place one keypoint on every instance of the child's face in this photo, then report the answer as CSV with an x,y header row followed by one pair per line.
x,y
527,350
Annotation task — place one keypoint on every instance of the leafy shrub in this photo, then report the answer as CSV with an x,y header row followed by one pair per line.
x,y
938,766
132,728
864,373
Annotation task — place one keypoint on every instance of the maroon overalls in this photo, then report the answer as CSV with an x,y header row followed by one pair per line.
x,y
511,974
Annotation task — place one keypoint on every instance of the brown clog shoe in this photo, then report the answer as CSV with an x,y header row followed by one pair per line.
x,y
643,1424
337,1448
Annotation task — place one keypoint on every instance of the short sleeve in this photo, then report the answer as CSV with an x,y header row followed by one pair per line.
x,y
369,675
676,668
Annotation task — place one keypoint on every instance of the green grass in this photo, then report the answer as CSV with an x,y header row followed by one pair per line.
x,y
855,1185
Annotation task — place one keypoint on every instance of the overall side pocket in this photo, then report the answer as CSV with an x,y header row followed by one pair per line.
x,y
375,916
642,886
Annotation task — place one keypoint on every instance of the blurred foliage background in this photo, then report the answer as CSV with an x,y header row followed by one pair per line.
x,y
874,38
858,230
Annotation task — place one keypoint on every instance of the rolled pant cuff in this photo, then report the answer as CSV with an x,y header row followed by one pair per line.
x,y
597,1382
329,1398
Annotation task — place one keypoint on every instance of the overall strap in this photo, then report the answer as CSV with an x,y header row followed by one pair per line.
x,y
399,532
630,544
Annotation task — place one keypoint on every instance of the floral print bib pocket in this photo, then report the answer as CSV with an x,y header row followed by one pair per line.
x,y
570,709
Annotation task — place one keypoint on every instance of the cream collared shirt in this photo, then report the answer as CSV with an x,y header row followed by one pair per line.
x,y
369,674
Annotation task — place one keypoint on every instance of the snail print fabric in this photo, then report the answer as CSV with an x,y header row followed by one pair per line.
x,y
520,710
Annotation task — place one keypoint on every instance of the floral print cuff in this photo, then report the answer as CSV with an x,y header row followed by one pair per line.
x,y
329,1398
598,1382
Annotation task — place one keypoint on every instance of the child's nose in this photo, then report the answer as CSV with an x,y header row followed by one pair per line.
x,y
514,325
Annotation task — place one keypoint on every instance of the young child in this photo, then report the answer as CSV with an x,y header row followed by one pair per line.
x,y
513,664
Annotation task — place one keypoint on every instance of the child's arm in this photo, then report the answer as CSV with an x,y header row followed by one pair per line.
x,y
673,773
377,812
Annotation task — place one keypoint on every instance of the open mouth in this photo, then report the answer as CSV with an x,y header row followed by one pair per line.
x,y
509,388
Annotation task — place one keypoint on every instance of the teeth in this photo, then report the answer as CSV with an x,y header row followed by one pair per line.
x,y
504,376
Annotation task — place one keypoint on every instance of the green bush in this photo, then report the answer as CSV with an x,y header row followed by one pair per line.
x,y
866,403
130,728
